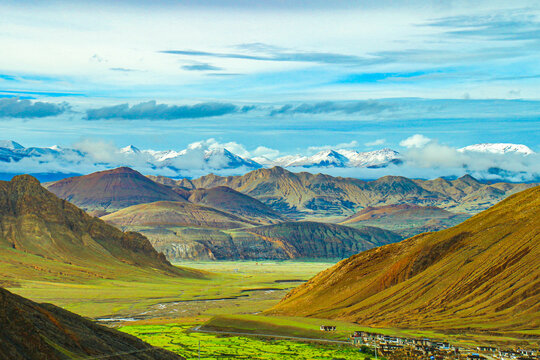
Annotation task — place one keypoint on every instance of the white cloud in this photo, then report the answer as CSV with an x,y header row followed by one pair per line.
x,y
375,142
415,141
263,151
348,145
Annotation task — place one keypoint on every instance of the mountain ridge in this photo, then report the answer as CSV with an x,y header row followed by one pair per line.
x,y
36,226
482,274
300,195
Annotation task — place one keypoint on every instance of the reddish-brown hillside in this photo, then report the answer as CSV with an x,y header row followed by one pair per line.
x,y
234,202
112,190
174,213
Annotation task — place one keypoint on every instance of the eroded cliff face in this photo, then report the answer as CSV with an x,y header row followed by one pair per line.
x,y
45,332
291,240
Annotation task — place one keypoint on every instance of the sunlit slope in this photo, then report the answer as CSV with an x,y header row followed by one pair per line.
x,y
43,331
483,274
303,195
234,202
44,236
174,213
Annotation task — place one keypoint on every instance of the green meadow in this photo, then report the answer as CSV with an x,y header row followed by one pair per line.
x,y
226,287
179,339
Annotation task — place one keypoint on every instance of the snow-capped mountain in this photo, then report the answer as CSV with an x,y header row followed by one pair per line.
x,y
378,158
130,149
9,144
202,158
340,158
326,158
224,159
498,148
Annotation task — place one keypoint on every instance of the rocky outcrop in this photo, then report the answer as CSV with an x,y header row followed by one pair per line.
x,y
291,240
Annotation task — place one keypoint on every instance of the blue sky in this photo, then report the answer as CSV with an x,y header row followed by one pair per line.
x,y
284,75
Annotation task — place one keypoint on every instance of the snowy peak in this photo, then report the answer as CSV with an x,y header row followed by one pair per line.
x,y
11,145
376,158
326,158
498,148
340,158
223,158
130,149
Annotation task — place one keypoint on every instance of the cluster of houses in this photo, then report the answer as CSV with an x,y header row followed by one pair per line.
x,y
433,349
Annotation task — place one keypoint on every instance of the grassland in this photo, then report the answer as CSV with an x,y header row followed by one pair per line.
x,y
229,287
229,298
179,339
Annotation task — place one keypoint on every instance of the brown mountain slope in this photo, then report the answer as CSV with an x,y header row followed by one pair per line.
x,y
45,332
303,195
111,190
483,274
406,219
174,213
290,240
234,202
48,232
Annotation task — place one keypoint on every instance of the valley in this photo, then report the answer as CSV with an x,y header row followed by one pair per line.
x,y
216,265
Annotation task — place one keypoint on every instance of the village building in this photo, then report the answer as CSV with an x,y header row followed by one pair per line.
x,y
328,328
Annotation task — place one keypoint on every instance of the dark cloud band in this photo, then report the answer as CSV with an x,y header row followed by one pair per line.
x,y
23,108
152,111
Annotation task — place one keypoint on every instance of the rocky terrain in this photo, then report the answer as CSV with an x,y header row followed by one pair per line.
x,y
45,332
480,275
42,235
291,240
234,202
194,219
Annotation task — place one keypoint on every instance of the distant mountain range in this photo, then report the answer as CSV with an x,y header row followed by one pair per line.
x,y
53,163
44,331
249,216
479,276
304,195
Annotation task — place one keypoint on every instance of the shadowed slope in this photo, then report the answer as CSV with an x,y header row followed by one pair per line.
x,y
111,190
42,331
291,240
482,274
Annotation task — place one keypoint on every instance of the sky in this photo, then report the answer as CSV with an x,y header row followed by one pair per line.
x,y
289,76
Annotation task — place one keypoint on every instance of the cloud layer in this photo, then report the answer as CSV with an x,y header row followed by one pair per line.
x,y
22,108
421,160
151,110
